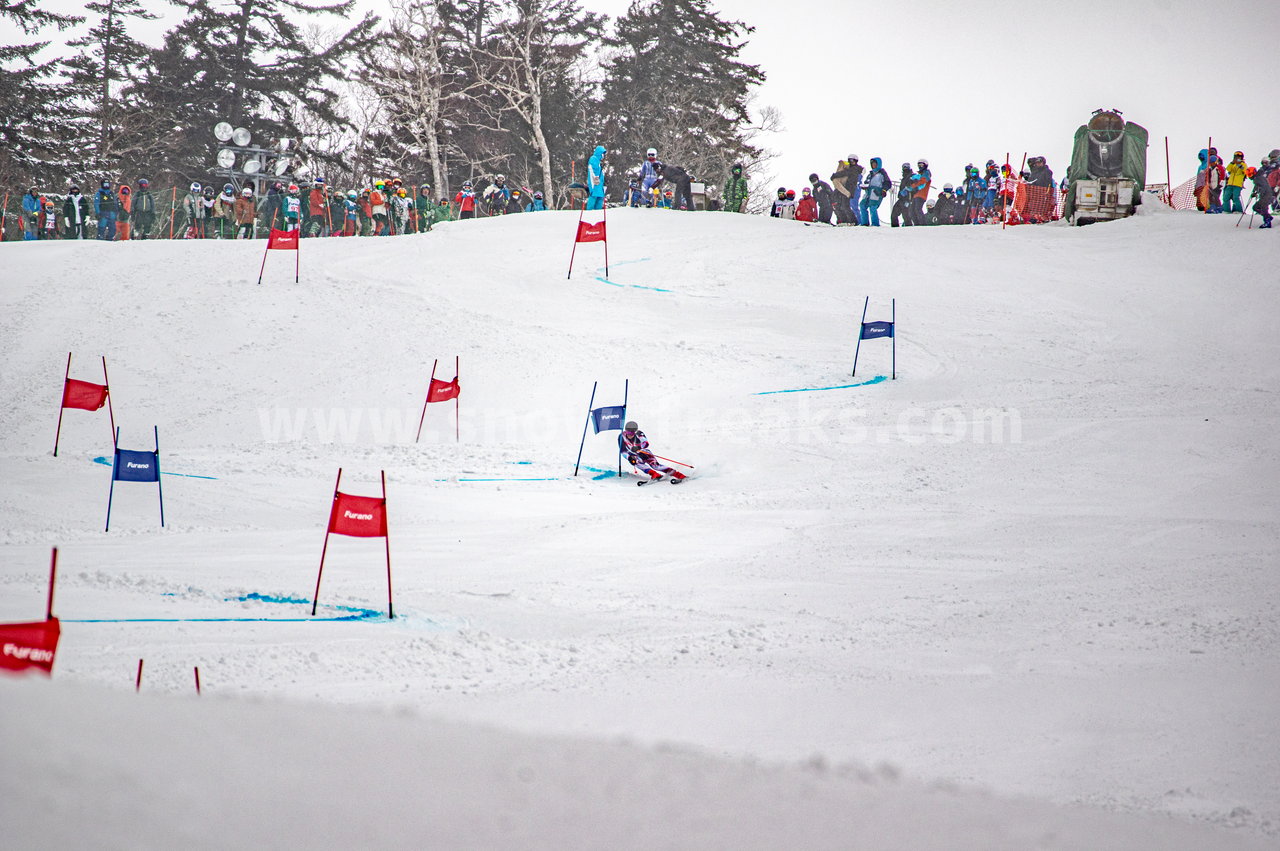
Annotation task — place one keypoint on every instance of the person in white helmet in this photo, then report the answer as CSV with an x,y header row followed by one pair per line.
x,y
650,171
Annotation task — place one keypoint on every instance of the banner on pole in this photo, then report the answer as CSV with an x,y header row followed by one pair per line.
x,y
442,391
358,516
84,395
609,418
135,465
29,646
282,240
591,232
872,330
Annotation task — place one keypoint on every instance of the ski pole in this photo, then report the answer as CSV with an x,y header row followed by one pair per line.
x,y
673,461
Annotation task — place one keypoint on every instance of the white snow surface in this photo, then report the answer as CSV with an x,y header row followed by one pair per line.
x,y
1024,596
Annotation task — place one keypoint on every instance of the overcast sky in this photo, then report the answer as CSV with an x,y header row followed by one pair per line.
x,y
958,82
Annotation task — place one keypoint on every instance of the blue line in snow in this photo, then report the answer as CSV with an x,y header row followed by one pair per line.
x,y
356,613
604,280
876,380
102,459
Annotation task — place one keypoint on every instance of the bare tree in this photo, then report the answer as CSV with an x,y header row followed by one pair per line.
x,y
532,50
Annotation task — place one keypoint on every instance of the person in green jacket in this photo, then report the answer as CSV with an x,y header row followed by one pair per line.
x,y
735,190
144,209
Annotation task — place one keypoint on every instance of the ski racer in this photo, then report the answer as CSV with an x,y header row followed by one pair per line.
x,y
635,446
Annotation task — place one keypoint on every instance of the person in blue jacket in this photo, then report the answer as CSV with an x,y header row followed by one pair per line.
x,y
875,186
537,205
105,207
31,205
595,179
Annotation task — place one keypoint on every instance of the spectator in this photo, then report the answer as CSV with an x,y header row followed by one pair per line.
x,y
144,209
378,205
649,171
842,180
31,207
906,191
776,210
1215,177
76,211
224,213
735,190
635,197
976,194
466,201
244,212
318,209
124,199
807,209
595,179
1264,190
351,213
49,221
399,211
292,208
874,189
924,179
945,210
194,211
681,185
1235,184
824,196
105,208
366,212
206,202
537,205
1041,200
516,203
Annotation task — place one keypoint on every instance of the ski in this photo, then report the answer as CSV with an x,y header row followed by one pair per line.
x,y
644,482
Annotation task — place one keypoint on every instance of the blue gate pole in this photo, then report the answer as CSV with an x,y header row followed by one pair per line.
x,y
858,345
159,487
626,383
893,320
583,442
115,464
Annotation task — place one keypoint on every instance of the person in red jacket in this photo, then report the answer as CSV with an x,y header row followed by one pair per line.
x,y
465,201
807,209
318,210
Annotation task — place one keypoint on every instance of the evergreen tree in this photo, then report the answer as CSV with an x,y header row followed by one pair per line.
x,y
250,63
674,81
33,109
107,55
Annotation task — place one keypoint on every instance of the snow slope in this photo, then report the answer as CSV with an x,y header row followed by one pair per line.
x,y
1041,562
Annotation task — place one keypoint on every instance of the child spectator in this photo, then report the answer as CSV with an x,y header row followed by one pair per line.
x,y
244,212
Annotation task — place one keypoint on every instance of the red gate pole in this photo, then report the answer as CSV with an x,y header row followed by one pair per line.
x,y
197,669
137,683
457,402
575,243
53,575
58,435
1168,175
110,411
315,600
427,400
387,538
173,209
603,221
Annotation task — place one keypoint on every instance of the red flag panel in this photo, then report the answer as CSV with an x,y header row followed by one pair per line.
x,y
84,395
588,232
358,516
443,391
25,646
283,240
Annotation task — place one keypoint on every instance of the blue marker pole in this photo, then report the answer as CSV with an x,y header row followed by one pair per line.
x,y
858,345
114,465
583,442
893,341
626,384
159,487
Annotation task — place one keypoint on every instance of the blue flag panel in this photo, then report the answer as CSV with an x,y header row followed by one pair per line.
x,y
608,418
872,330
136,466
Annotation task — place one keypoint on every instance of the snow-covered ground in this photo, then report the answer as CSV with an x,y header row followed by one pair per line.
x,y
1042,563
